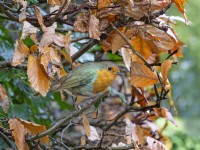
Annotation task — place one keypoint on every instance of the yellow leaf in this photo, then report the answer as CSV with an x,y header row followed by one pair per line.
x,y
37,76
141,75
103,4
4,101
20,53
86,124
166,65
21,127
67,57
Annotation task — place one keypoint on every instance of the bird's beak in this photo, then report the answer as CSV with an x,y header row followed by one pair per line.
x,y
119,73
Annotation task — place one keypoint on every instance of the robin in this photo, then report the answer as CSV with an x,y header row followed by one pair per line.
x,y
88,79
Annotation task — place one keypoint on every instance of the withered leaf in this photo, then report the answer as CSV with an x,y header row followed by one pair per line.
x,y
86,124
48,36
20,53
19,133
94,30
162,41
143,46
155,144
50,60
4,101
28,29
166,65
81,24
164,112
141,75
40,19
37,76
21,127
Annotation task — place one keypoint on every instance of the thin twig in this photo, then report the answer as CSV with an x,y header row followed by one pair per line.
x,y
7,140
68,118
60,10
130,46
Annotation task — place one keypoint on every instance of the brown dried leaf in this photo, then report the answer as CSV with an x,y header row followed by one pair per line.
x,y
166,65
163,112
20,53
103,4
162,41
117,41
37,76
139,94
19,133
48,36
50,58
141,75
86,124
155,144
94,31
4,101
40,19
28,29
21,128
142,46
81,24
35,129
67,40
157,5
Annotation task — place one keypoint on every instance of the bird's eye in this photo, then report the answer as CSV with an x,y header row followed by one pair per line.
x,y
109,68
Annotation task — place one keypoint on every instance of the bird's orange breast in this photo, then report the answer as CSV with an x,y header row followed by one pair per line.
x,y
103,80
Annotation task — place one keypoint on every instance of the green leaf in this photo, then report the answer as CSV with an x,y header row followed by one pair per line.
x,y
114,57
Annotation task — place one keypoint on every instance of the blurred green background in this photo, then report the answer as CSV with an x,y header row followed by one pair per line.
x,y
184,79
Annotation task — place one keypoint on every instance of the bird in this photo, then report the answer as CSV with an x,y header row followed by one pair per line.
x,y
88,79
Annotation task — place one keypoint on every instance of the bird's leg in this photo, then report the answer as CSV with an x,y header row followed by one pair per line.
x,y
75,106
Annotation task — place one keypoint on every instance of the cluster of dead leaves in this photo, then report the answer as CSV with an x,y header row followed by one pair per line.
x,y
44,60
